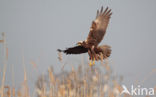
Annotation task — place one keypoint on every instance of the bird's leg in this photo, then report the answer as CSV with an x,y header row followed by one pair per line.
x,y
94,54
90,63
93,61
91,57
95,58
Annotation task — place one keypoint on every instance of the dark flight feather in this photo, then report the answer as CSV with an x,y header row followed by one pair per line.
x,y
74,50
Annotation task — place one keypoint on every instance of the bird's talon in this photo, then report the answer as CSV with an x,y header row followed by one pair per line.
x,y
90,63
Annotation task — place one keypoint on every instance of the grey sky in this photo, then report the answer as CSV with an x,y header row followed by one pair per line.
x,y
39,27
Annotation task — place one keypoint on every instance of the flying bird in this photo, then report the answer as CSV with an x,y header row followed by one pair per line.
x,y
101,52
95,36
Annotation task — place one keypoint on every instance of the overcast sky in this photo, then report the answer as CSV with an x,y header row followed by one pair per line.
x,y
37,28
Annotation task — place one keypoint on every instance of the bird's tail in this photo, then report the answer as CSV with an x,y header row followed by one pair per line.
x,y
106,51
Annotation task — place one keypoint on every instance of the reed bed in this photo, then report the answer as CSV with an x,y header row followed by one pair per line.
x,y
83,81
80,82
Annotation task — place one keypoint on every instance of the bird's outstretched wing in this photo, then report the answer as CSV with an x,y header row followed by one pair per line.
x,y
74,50
99,26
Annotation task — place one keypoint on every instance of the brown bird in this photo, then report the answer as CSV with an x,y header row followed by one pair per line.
x,y
96,34
101,52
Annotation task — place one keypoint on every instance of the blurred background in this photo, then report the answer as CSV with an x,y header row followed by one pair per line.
x,y
35,29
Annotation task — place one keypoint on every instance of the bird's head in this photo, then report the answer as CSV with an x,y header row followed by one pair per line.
x,y
80,43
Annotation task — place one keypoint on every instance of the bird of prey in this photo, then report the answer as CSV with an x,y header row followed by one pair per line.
x,y
101,52
95,36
